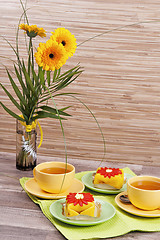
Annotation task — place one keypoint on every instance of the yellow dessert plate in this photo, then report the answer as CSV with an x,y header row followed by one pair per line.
x,y
130,208
32,187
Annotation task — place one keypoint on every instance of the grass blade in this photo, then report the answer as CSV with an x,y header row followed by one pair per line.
x,y
60,125
104,142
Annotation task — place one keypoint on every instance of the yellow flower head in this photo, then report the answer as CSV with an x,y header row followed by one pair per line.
x,y
32,30
65,38
51,55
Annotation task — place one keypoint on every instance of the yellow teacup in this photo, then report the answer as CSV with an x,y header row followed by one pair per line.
x,y
144,192
54,177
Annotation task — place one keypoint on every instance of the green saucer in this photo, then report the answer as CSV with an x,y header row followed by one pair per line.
x,y
87,180
107,212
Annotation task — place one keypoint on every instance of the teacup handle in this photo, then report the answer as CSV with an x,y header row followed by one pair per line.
x,y
34,174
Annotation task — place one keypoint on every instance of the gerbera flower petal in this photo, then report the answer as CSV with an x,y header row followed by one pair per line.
x,y
50,55
109,172
32,30
64,37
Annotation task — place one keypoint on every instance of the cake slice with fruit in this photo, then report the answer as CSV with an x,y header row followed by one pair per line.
x,y
81,206
108,178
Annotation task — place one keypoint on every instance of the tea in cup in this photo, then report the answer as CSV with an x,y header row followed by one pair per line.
x,y
144,192
54,177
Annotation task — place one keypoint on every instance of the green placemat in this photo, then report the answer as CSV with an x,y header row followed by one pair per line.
x,y
120,224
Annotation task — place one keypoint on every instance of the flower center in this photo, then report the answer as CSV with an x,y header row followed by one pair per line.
x,y
63,43
51,55
108,170
31,34
79,196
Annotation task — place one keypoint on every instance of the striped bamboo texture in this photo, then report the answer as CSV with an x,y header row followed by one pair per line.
x,y
120,83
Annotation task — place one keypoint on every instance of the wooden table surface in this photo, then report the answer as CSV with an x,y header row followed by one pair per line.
x,y
21,219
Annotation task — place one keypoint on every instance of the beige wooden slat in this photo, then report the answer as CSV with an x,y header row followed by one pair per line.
x,y
120,83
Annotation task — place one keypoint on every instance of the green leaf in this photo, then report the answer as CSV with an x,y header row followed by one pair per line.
x,y
29,62
41,77
43,114
35,77
16,89
12,113
59,94
66,82
27,78
65,108
63,81
54,75
20,80
11,98
58,72
62,84
53,110
69,71
48,77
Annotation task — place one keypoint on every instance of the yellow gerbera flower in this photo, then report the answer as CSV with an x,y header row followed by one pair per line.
x,y
64,37
50,55
32,30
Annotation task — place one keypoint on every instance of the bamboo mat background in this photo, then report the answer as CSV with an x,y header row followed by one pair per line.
x,y
120,84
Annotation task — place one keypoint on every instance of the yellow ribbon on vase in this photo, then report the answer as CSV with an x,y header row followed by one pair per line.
x,y
32,126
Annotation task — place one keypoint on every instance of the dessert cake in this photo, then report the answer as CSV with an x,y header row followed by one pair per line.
x,y
81,206
108,178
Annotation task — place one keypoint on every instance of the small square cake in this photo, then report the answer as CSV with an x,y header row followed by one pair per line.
x,y
81,205
113,177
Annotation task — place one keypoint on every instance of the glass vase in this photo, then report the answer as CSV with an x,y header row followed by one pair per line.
x,y
26,148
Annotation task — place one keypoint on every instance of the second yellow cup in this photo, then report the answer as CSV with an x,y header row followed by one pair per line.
x,y
144,192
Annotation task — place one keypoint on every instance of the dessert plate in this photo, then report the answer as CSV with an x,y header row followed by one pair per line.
x,y
32,187
107,212
130,208
88,182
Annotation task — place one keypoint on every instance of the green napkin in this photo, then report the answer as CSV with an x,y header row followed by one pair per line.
x,y
120,224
